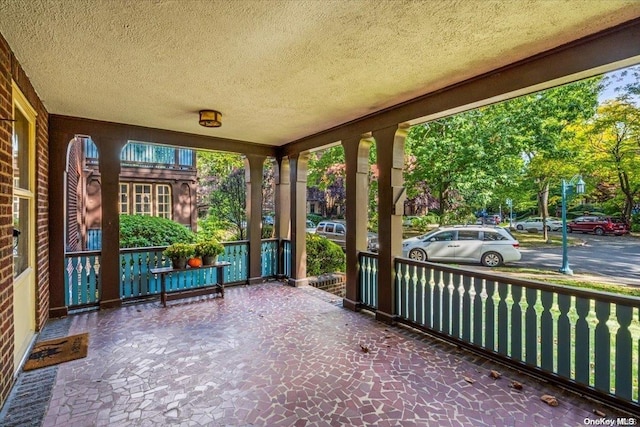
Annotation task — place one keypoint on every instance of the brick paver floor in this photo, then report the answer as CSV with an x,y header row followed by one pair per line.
x,y
274,355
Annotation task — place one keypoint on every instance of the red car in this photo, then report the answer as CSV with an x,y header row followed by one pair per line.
x,y
599,225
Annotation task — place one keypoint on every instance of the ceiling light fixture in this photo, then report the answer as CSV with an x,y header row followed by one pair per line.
x,y
210,118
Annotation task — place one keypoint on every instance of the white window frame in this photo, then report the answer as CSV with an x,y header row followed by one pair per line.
x,y
163,201
138,204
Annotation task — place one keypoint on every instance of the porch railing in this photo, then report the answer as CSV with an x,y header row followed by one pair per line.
x,y
269,259
82,278
368,280
586,339
286,255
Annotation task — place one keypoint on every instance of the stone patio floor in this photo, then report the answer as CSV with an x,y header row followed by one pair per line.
x,y
274,355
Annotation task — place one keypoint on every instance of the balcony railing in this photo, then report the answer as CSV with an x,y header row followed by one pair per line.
x,y
82,281
140,154
587,340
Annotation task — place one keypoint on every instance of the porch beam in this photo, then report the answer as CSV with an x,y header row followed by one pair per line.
x,y
98,129
573,61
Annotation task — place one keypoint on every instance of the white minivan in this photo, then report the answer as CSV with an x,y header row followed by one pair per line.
x,y
491,246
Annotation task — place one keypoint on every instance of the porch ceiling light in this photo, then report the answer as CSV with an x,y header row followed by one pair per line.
x,y
210,118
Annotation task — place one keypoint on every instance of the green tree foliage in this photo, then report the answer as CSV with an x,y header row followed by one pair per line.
x,y
323,256
611,151
138,231
512,149
213,168
228,203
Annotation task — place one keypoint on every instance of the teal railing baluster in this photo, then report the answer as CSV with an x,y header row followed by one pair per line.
x,y
602,347
466,308
490,316
531,327
546,331
503,319
582,342
624,347
563,336
516,323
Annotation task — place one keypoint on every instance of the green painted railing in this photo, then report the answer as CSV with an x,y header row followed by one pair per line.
x,y
269,258
146,155
588,340
82,278
286,254
237,253
368,279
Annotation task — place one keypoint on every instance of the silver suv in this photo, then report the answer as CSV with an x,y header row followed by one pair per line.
x,y
336,231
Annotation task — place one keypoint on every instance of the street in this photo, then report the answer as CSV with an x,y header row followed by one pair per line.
x,y
612,256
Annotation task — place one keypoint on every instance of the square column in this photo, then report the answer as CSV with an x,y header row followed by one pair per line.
x,y
282,208
254,169
298,178
390,150
356,153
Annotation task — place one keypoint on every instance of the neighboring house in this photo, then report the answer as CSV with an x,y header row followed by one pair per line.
x,y
155,180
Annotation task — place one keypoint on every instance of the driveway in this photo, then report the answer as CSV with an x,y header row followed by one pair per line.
x,y
616,257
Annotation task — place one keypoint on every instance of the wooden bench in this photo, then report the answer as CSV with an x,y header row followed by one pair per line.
x,y
165,274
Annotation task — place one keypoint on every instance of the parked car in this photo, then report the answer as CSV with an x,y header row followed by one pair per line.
x,y
598,225
337,233
490,246
407,221
535,222
311,227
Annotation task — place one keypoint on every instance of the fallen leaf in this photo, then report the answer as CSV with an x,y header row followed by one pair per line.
x,y
364,348
549,400
516,385
599,413
469,380
495,374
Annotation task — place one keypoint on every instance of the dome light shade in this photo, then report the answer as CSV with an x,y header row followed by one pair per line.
x,y
210,118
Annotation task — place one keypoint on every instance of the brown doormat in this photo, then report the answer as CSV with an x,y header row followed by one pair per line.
x,y
56,351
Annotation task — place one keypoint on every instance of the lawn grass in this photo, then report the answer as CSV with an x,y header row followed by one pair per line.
x,y
584,282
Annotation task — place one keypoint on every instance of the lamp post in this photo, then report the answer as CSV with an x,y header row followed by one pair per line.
x,y
566,186
510,204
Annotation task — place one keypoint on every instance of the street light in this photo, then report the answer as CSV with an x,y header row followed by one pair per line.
x,y
577,182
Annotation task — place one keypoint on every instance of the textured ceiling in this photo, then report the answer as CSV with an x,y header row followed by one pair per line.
x,y
277,70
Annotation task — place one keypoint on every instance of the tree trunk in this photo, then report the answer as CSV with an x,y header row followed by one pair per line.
x,y
543,208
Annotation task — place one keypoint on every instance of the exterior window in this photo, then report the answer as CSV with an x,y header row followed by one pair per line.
x,y
163,201
124,198
142,197
23,197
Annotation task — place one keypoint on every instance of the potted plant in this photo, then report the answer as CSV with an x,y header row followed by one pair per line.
x,y
209,251
179,254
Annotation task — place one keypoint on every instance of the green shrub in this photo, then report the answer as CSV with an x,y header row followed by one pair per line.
x,y
315,218
323,256
138,231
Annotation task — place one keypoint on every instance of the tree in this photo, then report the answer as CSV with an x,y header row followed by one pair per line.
x,y
613,140
228,203
213,167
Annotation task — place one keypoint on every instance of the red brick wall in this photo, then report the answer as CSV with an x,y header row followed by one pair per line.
x,y
10,70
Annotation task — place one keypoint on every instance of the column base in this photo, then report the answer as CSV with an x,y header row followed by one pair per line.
x,y
114,303
385,317
57,312
298,282
350,305
255,280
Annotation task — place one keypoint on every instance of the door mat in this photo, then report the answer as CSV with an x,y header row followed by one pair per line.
x,y
56,351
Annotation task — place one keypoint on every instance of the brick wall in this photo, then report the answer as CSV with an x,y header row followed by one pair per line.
x,y
10,70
